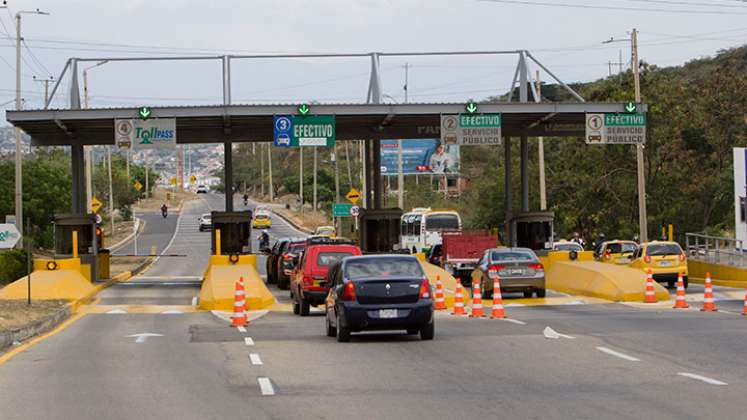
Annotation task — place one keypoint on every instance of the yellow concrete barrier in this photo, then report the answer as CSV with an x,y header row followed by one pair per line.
x,y
449,282
721,275
51,280
221,275
587,277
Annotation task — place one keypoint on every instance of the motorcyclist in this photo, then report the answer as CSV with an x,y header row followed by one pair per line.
x,y
578,239
264,240
246,199
164,211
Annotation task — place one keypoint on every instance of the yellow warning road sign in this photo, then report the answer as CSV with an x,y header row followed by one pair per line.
x,y
192,179
173,180
95,205
353,195
138,186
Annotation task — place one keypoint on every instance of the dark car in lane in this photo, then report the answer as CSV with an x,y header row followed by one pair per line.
x,y
288,262
379,293
518,269
271,262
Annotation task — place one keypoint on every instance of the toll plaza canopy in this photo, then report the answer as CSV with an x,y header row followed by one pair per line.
x,y
254,123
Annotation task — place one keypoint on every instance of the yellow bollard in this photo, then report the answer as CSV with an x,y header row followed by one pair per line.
x,y
671,232
75,244
217,242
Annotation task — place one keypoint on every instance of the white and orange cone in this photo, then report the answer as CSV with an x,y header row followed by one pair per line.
x,y
440,304
709,305
498,311
650,295
458,300
744,310
477,309
239,306
680,302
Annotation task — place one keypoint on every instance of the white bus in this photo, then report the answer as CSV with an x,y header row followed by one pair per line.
x,y
421,228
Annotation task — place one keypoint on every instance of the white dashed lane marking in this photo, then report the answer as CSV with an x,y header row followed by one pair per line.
x,y
265,385
618,354
702,378
254,358
248,341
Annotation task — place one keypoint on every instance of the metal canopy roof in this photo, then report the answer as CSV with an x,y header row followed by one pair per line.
x,y
253,123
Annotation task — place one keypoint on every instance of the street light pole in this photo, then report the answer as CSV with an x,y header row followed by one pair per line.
x,y
18,157
88,149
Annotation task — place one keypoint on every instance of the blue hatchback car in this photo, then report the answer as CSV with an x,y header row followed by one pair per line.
x,y
379,292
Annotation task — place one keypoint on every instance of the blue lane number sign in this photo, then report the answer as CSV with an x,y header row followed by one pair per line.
x,y
283,132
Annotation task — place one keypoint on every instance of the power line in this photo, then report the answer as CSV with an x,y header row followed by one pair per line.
x,y
627,9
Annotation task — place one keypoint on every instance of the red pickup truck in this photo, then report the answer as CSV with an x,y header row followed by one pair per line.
x,y
308,281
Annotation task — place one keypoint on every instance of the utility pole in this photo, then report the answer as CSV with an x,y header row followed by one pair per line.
x,y
262,171
269,169
111,189
147,176
88,149
642,216
362,150
46,86
347,159
541,153
406,86
300,176
315,171
337,185
400,177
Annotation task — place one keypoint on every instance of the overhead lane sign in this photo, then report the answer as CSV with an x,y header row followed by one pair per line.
x,y
283,130
157,133
471,129
616,128
304,131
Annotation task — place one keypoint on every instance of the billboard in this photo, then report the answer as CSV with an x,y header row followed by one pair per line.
x,y
419,156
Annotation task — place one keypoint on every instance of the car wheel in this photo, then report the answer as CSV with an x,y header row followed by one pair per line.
x,y
428,331
331,331
343,333
305,308
541,293
528,293
296,305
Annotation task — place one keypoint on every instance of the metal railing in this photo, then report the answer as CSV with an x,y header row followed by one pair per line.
x,y
715,249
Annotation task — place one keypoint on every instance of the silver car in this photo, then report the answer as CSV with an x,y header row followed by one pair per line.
x,y
518,269
206,222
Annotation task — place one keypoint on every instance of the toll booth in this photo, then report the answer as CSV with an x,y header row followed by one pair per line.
x,y
235,232
533,230
379,229
88,246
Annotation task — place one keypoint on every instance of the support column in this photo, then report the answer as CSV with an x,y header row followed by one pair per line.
x,y
228,174
524,174
508,191
78,179
367,145
377,187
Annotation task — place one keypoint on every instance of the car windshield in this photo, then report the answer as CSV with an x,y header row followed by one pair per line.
x,y
568,247
383,267
326,259
296,248
261,217
663,249
441,221
621,248
500,256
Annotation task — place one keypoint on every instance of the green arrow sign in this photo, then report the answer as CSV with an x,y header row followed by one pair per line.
x,y
144,112
471,107
303,109
630,107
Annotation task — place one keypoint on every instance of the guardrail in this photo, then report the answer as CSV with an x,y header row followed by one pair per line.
x,y
717,249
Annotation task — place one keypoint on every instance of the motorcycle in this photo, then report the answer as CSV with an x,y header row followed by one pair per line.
x,y
164,212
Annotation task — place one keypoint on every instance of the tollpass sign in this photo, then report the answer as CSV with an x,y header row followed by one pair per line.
x,y
157,133
304,130
616,128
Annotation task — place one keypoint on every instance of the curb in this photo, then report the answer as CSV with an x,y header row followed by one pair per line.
x,y
124,241
293,223
38,327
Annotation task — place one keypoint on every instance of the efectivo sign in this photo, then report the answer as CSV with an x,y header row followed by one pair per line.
x,y
157,133
616,128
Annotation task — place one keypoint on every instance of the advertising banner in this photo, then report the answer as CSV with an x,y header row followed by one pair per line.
x,y
419,156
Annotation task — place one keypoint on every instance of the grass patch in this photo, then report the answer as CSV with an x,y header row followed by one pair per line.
x,y
17,313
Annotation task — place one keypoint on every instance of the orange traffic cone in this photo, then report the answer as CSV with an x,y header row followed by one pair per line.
x,y
708,304
239,306
650,296
498,311
440,303
680,302
744,311
477,310
458,300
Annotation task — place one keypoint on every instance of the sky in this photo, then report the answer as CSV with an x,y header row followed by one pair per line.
x,y
565,35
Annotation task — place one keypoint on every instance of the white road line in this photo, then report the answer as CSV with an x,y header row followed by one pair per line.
x,y
515,321
172,312
254,357
248,341
618,354
117,311
550,333
702,378
194,300
266,386
241,329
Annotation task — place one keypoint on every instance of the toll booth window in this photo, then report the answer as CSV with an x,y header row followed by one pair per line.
x,y
442,222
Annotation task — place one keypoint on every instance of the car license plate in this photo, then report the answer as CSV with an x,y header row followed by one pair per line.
x,y
387,313
665,263
516,271
623,260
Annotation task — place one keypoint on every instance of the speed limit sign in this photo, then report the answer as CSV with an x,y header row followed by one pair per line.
x,y
355,211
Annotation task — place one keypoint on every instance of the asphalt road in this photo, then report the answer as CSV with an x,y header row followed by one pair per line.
x,y
608,361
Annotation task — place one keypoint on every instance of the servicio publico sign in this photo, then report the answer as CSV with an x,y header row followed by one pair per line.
x,y
471,129
157,133
616,128
304,130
